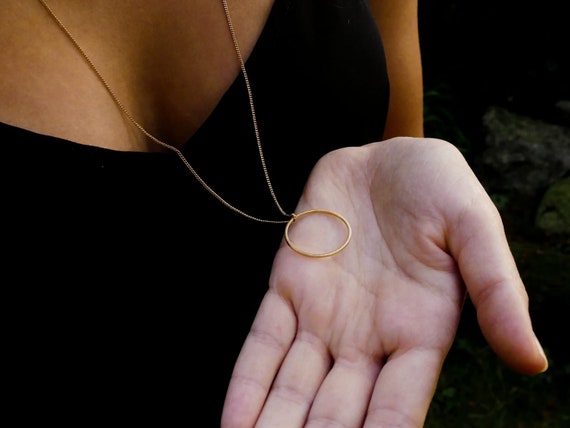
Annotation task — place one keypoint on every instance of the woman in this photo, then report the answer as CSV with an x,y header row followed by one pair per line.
x,y
148,181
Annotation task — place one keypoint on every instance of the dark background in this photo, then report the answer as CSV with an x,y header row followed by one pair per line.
x,y
515,55
507,53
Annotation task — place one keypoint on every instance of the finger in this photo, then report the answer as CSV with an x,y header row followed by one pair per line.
x,y
297,383
344,395
405,388
261,356
496,289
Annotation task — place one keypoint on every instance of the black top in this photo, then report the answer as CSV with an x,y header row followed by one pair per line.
x,y
128,289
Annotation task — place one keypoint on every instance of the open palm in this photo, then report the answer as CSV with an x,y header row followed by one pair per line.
x,y
359,338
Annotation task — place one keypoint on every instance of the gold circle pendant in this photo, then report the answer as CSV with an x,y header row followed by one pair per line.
x,y
295,217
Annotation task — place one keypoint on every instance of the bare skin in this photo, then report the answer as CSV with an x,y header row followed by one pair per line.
x,y
139,49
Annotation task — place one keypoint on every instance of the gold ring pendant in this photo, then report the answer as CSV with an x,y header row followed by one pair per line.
x,y
326,212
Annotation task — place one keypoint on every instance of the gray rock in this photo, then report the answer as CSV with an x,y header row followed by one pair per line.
x,y
528,155
553,214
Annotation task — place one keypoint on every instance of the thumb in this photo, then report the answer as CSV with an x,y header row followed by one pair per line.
x,y
495,287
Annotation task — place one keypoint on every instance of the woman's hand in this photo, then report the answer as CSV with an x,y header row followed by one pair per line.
x,y
359,338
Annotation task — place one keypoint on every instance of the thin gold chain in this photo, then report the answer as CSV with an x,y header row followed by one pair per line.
x,y
291,217
175,149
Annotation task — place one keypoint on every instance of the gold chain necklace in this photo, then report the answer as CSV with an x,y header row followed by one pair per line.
x,y
292,217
